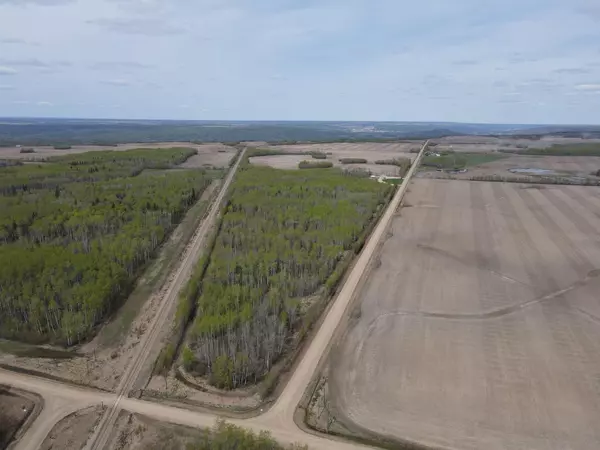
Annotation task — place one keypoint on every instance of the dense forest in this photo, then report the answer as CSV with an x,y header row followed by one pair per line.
x,y
76,230
282,237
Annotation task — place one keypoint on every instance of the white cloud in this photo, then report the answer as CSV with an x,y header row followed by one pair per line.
x,y
44,104
139,26
120,65
7,70
588,87
6,87
116,82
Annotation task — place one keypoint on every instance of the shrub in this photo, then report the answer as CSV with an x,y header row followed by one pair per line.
x,y
318,155
598,173
224,436
353,160
27,150
62,147
315,165
402,163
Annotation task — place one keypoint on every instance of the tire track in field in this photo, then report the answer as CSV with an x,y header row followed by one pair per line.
x,y
567,343
433,216
589,203
557,234
520,237
487,262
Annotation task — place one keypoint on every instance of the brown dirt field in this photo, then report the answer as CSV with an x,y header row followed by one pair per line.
x,y
12,414
72,432
480,329
217,155
369,151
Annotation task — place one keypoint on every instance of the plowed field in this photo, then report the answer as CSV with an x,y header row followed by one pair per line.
x,y
480,329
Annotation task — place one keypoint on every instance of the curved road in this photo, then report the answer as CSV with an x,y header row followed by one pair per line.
x,y
62,399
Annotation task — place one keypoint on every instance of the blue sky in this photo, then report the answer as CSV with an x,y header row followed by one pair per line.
x,y
525,61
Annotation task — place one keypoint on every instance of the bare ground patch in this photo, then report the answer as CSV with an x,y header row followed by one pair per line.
x,y
72,432
16,407
481,327
136,432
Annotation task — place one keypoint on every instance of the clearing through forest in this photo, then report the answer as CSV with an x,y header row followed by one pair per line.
x,y
147,346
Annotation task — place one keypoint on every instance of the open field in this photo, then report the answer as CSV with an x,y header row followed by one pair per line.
x,y
480,327
337,151
217,155
563,167
473,144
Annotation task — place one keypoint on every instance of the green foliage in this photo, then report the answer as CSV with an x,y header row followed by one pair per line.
x,y
224,436
75,232
353,160
27,150
598,173
282,238
315,164
454,161
62,147
318,155
402,163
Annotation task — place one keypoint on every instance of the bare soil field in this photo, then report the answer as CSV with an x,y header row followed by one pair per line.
x,y
480,326
216,155
553,166
136,432
336,151
15,408
474,144
72,432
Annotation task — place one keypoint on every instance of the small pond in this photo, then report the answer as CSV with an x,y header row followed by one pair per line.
x,y
534,171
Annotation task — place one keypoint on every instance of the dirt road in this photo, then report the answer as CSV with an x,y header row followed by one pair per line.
x,y
279,420
102,433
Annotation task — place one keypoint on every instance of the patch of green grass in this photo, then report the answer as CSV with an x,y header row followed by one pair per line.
x,y
452,161
564,150
394,181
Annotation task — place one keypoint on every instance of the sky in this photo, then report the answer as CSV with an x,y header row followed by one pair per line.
x,y
485,61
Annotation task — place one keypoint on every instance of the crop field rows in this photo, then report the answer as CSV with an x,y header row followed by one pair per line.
x,y
480,329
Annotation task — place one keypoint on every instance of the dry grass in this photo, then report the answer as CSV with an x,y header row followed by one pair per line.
x,y
481,327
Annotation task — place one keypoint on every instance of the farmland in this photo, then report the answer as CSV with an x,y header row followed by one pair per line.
x,y
216,155
479,326
75,232
292,155
562,169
